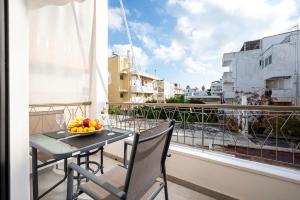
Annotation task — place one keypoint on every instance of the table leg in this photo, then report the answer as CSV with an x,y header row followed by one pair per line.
x,y
125,155
35,185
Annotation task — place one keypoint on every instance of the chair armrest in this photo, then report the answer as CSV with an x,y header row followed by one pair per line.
x,y
100,181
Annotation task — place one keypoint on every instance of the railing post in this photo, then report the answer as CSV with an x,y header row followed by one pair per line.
x,y
202,122
183,127
276,138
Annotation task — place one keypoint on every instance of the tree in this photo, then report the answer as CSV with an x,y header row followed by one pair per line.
x,y
203,88
187,87
208,91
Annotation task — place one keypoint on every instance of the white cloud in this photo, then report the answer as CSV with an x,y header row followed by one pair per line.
x,y
174,52
192,66
145,33
193,6
141,58
115,20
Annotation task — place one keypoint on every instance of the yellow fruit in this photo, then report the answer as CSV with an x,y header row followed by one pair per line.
x,y
71,125
74,129
79,129
92,123
86,129
91,129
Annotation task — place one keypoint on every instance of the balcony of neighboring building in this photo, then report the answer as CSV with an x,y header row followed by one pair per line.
x,y
281,88
227,59
143,89
227,77
278,60
144,75
123,90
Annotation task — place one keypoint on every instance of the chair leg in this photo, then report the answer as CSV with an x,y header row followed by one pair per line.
x,y
101,160
70,184
78,175
87,165
166,185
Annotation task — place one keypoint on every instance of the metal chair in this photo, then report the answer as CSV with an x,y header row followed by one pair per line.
x,y
146,165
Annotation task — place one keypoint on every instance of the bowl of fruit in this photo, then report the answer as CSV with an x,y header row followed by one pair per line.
x,y
84,126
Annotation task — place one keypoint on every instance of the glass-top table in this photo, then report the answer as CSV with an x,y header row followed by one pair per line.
x,y
63,146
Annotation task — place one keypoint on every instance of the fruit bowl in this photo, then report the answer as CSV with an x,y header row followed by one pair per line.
x,y
84,126
83,133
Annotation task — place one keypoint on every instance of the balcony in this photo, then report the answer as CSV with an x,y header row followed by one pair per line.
x,y
227,59
123,90
211,144
227,77
143,89
217,151
49,177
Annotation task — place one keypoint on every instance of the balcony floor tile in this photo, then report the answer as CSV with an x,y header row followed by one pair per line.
x,y
51,176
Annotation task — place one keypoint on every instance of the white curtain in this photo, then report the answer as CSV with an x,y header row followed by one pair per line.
x,y
60,50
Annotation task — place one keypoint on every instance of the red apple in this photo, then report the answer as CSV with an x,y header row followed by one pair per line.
x,y
86,122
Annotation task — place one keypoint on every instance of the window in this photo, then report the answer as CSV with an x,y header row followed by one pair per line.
x,y
266,62
270,59
121,77
261,63
121,95
278,84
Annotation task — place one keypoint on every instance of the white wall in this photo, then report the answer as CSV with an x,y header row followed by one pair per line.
x,y
283,61
246,71
18,75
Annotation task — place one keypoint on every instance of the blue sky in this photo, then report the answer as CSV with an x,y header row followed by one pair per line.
x,y
184,40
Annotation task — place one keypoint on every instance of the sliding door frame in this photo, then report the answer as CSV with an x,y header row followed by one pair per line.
x,y
4,102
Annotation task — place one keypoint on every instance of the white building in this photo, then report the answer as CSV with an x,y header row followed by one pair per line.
x,y
195,92
268,62
166,90
178,90
216,88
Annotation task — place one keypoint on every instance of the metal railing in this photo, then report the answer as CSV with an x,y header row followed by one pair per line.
x,y
71,110
262,133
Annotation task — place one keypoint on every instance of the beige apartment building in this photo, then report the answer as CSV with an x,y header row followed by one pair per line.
x,y
128,85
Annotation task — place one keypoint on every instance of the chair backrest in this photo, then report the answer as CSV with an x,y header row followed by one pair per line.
x,y
43,121
148,155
